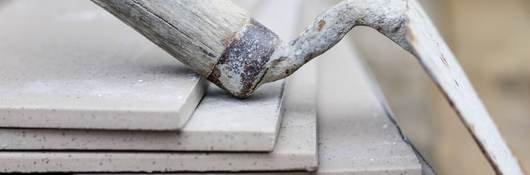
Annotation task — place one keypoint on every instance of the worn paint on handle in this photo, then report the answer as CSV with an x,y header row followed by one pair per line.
x,y
443,67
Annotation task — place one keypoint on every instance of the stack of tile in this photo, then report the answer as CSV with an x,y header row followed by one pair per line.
x,y
81,92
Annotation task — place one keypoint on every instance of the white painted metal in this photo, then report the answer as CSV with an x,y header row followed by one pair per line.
x,y
440,63
405,23
356,134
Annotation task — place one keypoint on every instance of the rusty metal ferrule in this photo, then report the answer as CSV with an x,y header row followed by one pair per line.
x,y
242,65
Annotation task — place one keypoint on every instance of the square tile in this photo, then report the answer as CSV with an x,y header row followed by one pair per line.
x,y
70,64
296,148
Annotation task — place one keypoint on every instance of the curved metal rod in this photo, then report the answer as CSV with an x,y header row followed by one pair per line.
x,y
405,23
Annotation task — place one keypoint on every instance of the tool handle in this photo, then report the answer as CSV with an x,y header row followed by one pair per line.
x,y
195,32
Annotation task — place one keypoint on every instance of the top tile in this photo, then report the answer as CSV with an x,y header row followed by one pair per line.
x,y
68,64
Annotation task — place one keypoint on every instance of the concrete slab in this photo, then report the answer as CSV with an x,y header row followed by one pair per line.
x,y
296,148
70,64
220,123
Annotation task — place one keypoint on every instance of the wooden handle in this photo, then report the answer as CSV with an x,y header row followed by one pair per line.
x,y
215,38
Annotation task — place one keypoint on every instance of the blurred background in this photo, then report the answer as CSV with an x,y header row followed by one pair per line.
x,y
491,39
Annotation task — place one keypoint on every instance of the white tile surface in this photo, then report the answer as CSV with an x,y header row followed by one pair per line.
x,y
67,64
220,123
296,148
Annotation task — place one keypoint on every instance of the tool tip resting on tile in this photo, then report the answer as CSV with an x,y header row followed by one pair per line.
x,y
221,42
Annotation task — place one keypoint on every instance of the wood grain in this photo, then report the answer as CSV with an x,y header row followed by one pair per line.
x,y
195,32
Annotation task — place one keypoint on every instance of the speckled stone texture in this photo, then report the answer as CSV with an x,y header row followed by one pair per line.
x,y
220,123
296,148
68,64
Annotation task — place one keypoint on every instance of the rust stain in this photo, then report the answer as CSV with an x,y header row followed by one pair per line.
x,y
245,57
321,25
287,72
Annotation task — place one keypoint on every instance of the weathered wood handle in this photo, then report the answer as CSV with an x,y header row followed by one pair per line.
x,y
215,38
221,42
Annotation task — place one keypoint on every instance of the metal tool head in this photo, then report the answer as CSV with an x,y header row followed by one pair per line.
x,y
242,66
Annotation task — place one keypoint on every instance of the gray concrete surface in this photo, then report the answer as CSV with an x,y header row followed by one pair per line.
x,y
70,64
220,123
296,148
356,135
